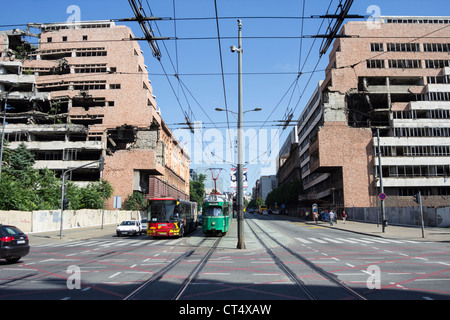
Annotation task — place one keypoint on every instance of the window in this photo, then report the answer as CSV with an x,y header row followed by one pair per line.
x,y
114,86
90,52
376,47
64,38
49,39
375,64
437,63
405,63
436,47
85,38
403,47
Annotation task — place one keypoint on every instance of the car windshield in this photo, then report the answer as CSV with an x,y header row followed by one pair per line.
x,y
127,223
213,211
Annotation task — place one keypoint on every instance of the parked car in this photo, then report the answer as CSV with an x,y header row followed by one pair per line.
x,y
275,211
144,224
264,212
129,227
14,243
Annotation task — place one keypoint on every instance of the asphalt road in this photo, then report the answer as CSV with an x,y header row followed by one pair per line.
x,y
284,260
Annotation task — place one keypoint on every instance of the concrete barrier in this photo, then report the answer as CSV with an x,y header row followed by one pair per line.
x,y
50,220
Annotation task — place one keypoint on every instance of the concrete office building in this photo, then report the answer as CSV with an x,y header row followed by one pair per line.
x,y
392,77
84,92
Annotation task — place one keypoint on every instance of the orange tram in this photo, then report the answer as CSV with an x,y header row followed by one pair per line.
x,y
171,217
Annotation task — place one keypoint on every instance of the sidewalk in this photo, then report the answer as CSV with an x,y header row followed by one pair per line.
x,y
391,232
82,233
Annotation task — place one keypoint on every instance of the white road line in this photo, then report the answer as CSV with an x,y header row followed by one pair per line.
x,y
395,241
115,274
332,240
361,240
317,240
347,240
303,240
375,240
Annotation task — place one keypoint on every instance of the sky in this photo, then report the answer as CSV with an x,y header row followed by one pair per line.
x,y
273,55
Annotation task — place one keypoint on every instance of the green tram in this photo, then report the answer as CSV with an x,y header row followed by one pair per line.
x,y
217,214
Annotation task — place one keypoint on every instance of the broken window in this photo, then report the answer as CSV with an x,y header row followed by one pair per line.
x,y
403,47
436,47
121,138
376,47
437,63
375,63
405,63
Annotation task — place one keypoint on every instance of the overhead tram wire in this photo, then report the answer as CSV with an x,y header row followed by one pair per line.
x,y
301,71
223,75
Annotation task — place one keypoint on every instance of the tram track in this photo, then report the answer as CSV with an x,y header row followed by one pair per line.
x,y
291,274
189,279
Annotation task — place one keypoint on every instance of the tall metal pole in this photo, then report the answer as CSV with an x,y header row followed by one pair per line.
x,y
421,213
380,173
240,177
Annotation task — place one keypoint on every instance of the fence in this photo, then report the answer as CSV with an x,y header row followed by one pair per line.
x,y
49,220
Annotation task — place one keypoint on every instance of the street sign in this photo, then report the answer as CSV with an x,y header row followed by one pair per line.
x,y
382,196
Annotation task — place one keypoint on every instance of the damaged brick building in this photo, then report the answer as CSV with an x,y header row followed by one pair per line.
x,y
82,93
392,76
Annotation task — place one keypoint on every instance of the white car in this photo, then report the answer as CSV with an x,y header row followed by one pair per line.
x,y
129,227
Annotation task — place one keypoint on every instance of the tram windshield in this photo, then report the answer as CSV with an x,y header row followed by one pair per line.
x,y
162,211
213,211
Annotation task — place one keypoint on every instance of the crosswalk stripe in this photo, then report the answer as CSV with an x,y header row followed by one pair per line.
x,y
332,240
347,240
350,240
375,240
303,240
361,240
317,240
395,241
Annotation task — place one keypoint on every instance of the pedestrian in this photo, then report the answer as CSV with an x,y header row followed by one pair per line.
x,y
316,216
344,216
331,215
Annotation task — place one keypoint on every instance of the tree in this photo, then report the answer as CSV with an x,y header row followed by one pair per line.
x,y
284,194
135,201
24,188
197,189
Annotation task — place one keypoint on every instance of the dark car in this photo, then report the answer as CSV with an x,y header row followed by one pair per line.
x,y
14,243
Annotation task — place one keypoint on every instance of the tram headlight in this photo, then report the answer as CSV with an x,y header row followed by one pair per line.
x,y
213,223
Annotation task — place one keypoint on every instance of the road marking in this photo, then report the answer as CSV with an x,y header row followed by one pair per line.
x,y
332,240
303,240
317,240
361,240
114,275
347,240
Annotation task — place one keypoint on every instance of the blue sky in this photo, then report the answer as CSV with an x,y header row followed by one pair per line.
x,y
269,64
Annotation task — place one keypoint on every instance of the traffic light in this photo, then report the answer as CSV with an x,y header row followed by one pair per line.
x,y
66,203
416,198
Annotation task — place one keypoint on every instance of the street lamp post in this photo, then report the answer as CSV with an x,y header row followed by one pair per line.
x,y
240,147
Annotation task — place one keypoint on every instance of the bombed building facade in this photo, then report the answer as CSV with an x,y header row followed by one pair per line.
x,y
391,77
83,92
